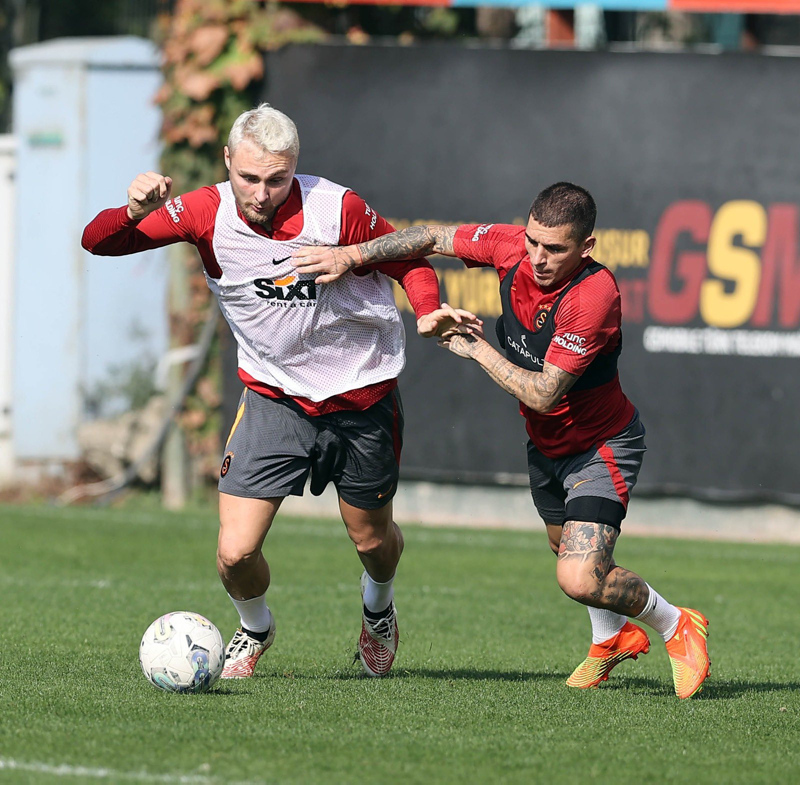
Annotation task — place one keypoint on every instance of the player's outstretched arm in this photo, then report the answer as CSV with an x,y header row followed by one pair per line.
x,y
409,243
415,241
538,391
147,193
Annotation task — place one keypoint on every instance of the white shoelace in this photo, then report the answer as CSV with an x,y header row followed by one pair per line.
x,y
241,643
382,628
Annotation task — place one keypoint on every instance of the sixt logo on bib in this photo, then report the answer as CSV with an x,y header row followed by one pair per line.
x,y
289,291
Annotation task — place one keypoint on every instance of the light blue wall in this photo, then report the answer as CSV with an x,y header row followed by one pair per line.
x,y
85,124
121,292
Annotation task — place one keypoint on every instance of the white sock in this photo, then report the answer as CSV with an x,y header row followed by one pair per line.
x,y
660,615
605,624
377,596
254,614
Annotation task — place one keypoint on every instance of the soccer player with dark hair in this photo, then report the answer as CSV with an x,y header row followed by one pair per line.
x,y
319,362
561,332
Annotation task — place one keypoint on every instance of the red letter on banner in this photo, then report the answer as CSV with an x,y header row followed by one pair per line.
x,y
678,307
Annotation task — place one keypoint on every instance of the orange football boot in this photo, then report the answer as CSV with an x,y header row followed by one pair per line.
x,y
688,653
627,644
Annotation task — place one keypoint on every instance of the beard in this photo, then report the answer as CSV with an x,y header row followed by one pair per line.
x,y
261,218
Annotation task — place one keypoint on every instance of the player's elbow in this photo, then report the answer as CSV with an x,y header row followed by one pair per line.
x,y
97,247
541,405
87,242
548,405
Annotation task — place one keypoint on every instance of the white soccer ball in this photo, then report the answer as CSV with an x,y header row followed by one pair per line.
x,y
182,652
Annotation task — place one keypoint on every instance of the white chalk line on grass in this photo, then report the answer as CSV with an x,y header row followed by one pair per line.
x,y
64,770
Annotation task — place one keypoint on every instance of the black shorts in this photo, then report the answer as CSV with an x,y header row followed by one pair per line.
x,y
274,446
593,486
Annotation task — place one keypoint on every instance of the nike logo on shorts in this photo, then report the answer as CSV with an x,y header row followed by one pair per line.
x,y
580,482
381,495
278,261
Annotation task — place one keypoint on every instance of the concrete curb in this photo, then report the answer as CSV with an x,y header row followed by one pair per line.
x,y
436,504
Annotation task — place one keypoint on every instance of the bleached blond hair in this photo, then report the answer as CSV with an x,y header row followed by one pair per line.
x,y
268,128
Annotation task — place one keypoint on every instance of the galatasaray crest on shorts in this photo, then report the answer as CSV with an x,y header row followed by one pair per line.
x,y
226,464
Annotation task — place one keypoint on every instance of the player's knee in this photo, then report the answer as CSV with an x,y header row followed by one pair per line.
x,y
577,586
401,544
369,544
373,540
233,557
580,591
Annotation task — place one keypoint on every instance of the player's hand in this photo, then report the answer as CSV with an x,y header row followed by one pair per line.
x,y
146,193
445,320
463,344
332,261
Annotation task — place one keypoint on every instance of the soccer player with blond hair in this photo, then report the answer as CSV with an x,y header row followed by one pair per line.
x,y
319,362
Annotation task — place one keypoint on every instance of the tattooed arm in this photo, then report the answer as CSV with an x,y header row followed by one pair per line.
x,y
538,391
408,243
334,261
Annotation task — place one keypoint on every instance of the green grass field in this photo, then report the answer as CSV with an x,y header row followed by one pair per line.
x,y
478,690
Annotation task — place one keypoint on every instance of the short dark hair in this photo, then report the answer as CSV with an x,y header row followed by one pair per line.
x,y
565,203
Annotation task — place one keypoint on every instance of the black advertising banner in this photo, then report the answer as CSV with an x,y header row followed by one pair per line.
x,y
694,161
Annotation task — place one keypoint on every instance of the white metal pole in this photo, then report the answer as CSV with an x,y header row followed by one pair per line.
x,y
7,217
